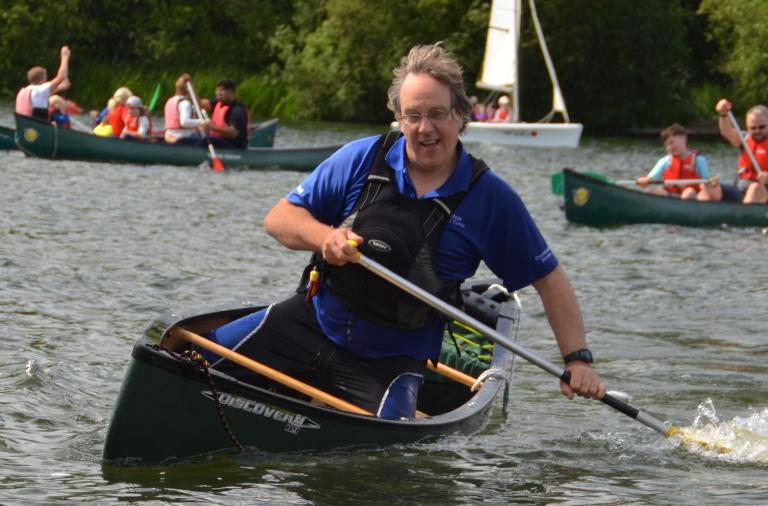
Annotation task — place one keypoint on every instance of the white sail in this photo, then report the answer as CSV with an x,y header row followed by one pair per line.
x,y
499,72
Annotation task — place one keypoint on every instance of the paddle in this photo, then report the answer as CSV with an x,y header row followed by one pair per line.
x,y
216,163
267,371
458,315
155,97
559,189
750,154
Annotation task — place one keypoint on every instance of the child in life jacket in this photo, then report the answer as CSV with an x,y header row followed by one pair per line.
x,y
58,111
138,124
679,164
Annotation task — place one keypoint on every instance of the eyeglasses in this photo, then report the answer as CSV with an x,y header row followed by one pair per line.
x,y
757,127
435,117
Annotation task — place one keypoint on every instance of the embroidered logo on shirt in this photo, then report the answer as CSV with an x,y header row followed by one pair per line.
x,y
299,189
543,256
456,220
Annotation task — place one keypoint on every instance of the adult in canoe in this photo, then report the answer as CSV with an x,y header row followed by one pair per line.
x,y
680,163
419,204
180,126
752,180
32,100
228,126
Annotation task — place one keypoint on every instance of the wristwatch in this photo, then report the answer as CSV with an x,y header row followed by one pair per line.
x,y
583,355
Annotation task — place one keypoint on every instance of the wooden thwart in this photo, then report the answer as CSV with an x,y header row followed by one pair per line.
x,y
299,386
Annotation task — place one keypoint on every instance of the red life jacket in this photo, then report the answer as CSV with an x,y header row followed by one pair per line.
x,y
760,150
679,168
219,113
171,113
116,118
24,101
132,123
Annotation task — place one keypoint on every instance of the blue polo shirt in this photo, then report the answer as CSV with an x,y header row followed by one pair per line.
x,y
490,224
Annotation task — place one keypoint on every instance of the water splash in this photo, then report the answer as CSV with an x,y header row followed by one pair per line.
x,y
742,440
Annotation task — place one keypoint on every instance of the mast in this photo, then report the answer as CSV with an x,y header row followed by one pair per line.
x,y
558,102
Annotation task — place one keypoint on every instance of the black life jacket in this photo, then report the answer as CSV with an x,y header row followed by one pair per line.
x,y
403,235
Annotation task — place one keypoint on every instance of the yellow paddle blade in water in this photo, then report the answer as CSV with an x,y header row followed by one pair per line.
x,y
741,440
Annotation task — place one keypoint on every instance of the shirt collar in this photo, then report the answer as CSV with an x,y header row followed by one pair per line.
x,y
457,182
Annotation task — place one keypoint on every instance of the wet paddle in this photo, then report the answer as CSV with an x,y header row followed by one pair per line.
x,y
558,188
750,154
216,164
458,315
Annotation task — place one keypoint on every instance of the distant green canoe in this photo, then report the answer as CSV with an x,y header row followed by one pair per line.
x,y
44,140
593,201
6,138
262,135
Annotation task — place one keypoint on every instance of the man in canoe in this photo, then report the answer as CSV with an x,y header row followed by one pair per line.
x,y
680,163
425,208
32,100
228,126
751,186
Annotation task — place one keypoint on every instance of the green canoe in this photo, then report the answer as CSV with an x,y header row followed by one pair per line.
x,y
6,138
44,140
166,409
262,135
592,201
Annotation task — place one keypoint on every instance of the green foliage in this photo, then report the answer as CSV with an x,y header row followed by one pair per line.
x,y
621,63
740,29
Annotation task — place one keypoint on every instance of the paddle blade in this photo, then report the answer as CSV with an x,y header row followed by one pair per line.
x,y
557,183
217,165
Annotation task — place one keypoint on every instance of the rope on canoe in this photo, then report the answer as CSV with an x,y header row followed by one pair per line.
x,y
200,363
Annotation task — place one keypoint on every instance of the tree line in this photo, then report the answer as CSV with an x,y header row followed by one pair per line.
x,y
622,64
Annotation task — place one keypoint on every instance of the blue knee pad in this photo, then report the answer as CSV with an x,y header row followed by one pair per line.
x,y
399,400
232,333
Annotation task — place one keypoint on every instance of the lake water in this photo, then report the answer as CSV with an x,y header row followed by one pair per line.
x,y
89,253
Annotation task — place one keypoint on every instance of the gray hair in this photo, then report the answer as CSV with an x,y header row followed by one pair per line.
x,y
759,110
438,63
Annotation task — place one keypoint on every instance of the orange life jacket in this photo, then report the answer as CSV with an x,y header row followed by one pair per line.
x,y
219,113
24,101
116,118
760,150
679,168
132,123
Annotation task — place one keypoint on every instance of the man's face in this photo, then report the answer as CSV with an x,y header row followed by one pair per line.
x,y
226,96
757,126
430,125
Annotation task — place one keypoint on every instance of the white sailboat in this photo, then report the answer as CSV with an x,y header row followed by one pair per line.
x,y
500,74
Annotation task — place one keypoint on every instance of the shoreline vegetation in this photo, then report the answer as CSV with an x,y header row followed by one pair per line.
x,y
317,60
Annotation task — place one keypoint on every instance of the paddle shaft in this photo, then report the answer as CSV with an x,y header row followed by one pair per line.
x,y
199,112
460,316
267,371
668,182
750,154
